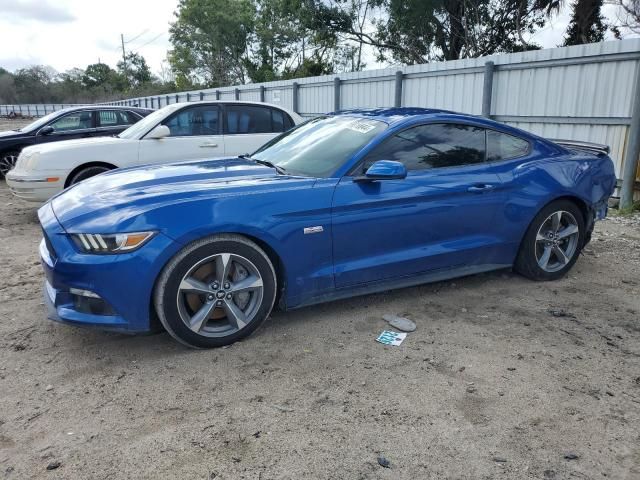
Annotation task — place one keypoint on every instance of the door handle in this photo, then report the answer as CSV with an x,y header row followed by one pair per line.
x,y
480,188
209,145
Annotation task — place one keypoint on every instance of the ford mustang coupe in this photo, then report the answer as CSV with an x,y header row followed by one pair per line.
x,y
345,204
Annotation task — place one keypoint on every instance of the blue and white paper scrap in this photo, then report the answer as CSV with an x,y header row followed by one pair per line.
x,y
388,337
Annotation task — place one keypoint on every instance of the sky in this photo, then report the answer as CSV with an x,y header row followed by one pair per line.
x,y
75,33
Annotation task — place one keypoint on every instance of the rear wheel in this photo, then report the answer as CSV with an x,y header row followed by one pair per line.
x,y
552,243
7,162
215,291
87,173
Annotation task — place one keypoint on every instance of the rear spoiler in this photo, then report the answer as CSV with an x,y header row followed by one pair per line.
x,y
594,148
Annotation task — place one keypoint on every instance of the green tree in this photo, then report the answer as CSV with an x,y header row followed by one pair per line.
x,y
587,23
418,31
32,83
210,40
137,72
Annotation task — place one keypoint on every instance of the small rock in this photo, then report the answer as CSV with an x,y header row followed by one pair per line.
x,y
48,388
53,465
561,314
471,389
401,323
549,474
461,369
464,310
511,369
571,456
501,393
383,462
499,459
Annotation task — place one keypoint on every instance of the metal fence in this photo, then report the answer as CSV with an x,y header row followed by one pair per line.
x,y
582,92
34,109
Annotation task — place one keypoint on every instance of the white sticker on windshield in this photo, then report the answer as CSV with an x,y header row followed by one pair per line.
x,y
361,126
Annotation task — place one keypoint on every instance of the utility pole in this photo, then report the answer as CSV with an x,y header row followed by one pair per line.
x,y
124,59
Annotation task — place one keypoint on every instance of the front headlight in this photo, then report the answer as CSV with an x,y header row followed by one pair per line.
x,y
27,160
110,243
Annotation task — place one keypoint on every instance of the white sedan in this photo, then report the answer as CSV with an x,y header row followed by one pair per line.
x,y
177,132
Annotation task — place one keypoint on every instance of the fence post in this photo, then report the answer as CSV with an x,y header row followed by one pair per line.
x,y
336,94
633,150
217,94
487,89
201,96
262,93
236,92
37,114
294,96
397,102
177,98
188,97
151,102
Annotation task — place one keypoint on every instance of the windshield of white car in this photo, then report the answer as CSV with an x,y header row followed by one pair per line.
x,y
40,122
137,130
319,147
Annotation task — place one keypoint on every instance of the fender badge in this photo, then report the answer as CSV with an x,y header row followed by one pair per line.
x,y
317,229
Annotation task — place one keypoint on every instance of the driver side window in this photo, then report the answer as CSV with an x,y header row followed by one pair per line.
x,y
435,145
72,121
194,121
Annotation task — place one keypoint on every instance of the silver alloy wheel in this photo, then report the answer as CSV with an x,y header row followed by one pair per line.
x,y
220,295
7,162
557,241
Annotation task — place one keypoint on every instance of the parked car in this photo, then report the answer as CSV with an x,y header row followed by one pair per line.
x,y
181,131
66,124
345,204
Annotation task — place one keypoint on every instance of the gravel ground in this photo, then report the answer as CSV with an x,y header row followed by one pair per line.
x,y
490,385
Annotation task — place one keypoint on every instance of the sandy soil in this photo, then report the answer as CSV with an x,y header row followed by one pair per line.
x,y
490,385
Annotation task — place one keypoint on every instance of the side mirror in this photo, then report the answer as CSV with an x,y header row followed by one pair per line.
x,y
159,132
383,170
48,130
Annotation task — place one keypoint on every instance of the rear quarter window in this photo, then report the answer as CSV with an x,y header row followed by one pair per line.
x,y
501,146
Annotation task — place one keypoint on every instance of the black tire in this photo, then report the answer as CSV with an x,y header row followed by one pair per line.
x,y
87,173
174,306
529,255
8,161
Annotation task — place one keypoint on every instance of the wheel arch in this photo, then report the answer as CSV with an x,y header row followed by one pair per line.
x,y
266,246
577,201
79,168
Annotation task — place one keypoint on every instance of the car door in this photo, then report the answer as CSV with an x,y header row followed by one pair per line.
x,y
112,122
248,127
194,134
79,124
440,216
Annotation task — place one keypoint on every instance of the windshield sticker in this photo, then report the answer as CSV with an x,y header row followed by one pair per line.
x,y
361,126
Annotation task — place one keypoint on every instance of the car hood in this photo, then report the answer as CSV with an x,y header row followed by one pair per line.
x,y
11,134
80,143
116,200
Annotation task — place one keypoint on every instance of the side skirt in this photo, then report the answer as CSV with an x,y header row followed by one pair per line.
x,y
396,283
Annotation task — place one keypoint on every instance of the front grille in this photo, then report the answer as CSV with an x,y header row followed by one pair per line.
x,y
50,248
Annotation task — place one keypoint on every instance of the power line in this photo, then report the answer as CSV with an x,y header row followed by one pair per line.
x,y
150,41
137,36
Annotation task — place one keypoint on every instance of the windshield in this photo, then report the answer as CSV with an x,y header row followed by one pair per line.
x,y
40,122
137,130
317,148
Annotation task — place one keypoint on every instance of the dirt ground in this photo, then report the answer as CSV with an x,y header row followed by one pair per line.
x,y
490,385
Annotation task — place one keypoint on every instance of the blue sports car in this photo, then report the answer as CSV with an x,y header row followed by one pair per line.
x,y
345,204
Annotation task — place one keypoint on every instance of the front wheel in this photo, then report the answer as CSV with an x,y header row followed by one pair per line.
x,y
7,162
552,243
215,291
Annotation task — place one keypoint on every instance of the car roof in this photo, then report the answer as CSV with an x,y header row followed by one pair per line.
x,y
238,102
102,107
398,115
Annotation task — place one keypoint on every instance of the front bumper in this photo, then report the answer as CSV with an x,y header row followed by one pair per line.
x,y
124,282
35,188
